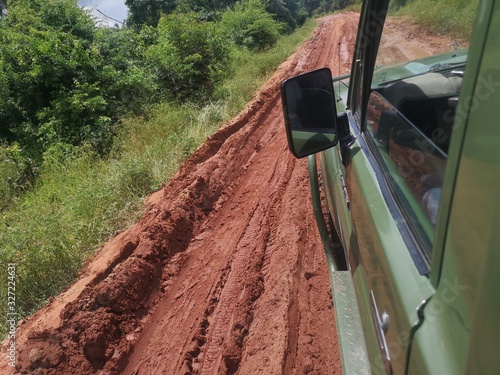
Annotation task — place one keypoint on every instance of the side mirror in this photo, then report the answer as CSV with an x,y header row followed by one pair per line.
x,y
310,114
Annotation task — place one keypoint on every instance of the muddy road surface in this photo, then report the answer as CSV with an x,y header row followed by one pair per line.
x,y
225,273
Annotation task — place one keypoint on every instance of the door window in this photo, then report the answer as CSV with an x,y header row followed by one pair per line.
x,y
408,126
412,166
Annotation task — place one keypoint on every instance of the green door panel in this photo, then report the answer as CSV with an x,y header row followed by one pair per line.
x,y
379,260
434,356
386,267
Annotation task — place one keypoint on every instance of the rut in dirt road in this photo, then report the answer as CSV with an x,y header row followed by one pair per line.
x,y
255,240
224,274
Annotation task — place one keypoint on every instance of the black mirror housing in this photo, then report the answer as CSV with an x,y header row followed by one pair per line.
x,y
310,113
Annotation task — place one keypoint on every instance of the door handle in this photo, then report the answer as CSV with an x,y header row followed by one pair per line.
x,y
381,323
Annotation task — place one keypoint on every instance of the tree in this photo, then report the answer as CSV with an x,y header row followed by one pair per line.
x,y
311,6
148,12
125,74
250,25
281,12
189,56
48,67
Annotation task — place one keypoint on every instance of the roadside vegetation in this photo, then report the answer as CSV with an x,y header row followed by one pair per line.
x,y
451,17
454,18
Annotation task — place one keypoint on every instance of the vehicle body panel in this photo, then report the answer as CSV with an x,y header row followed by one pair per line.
x,y
384,268
358,205
385,278
437,315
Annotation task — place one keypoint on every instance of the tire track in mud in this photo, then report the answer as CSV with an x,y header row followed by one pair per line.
x,y
243,287
217,343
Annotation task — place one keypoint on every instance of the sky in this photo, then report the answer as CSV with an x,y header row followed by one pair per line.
x,y
113,8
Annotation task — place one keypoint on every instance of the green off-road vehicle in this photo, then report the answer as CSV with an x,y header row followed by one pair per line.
x,y
406,161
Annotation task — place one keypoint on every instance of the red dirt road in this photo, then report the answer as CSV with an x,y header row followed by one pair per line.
x,y
225,274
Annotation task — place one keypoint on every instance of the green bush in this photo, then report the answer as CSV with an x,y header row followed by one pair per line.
x,y
250,25
50,75
261,34
17,173
190,54
128,81
62,79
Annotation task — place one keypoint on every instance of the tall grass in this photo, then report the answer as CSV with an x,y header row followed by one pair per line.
x,y
80,200
451,17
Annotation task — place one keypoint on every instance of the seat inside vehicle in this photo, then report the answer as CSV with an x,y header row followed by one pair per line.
x,y
429,102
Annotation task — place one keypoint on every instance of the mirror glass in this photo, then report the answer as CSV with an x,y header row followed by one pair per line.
x,y
309,111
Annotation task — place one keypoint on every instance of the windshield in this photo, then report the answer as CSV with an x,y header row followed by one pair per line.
x,y
398,59
386,74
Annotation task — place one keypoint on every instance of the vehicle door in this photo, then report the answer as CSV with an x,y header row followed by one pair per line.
x,y
392,181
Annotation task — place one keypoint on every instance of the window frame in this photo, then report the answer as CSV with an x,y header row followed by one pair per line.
x,y
414,225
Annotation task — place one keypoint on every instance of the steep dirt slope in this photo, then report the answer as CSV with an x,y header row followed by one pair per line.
x,y
224,274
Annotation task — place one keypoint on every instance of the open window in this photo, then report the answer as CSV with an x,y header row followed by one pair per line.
x,y
412,166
